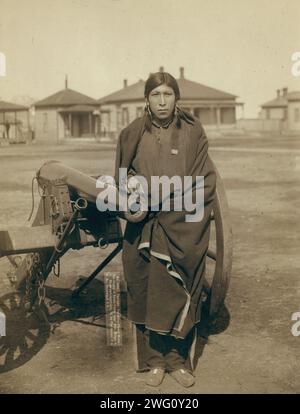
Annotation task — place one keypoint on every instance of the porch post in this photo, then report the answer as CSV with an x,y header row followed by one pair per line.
x,y
57,128
16,132
211,112
4,125
90,123
218,116
29,133
95,125
100,124
70,124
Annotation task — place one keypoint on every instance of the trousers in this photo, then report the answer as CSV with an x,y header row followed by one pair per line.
x,y
165,351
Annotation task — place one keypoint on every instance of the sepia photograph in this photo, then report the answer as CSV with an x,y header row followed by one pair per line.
x,y
149,187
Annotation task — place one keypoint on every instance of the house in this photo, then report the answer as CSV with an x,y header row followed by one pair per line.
x,y
213,107
14,122
66,114
285,108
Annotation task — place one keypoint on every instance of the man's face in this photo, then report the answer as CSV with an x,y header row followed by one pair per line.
x,y
162,101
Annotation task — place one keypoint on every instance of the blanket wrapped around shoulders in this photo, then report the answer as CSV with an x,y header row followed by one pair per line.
x,y
164,256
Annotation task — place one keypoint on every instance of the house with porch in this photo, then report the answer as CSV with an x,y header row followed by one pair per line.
x,y
14,122
66,114
284,110
214,108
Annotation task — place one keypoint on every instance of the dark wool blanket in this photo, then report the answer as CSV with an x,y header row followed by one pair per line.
x,y
164,255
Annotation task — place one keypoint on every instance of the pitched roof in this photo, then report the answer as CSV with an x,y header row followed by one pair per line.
x,y
279,102
134,92
79,108
282,101
189,90
294,96
194,90
11,107
66,97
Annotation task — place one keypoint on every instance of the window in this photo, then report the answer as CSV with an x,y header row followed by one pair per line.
x,y
119,120
125,116
197,112
45,122
139,111
297,114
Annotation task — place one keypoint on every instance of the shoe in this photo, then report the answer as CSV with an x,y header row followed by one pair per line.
x,y
155,377
183,377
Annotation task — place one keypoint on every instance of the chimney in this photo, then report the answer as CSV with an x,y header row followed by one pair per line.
x,y
284,91
66,81
181,70
278,93
125,83
161,69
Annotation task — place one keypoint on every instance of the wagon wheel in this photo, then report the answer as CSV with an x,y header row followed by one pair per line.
x,y
219,255
25,333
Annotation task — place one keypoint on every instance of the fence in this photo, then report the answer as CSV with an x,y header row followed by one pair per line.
x,y
262,125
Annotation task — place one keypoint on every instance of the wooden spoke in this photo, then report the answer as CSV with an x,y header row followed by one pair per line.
x,y
25,335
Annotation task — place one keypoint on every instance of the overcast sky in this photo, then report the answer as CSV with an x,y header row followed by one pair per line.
x,y
239,46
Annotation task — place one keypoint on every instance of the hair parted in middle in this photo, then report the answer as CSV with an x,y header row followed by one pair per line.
x,y
161,78
165,78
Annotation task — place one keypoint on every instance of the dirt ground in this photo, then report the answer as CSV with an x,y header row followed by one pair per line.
x,y
254,352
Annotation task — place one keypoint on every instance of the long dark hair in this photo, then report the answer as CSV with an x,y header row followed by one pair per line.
x,y
164,78
161,78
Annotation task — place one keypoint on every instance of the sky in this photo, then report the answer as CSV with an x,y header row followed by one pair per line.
x,y
243,47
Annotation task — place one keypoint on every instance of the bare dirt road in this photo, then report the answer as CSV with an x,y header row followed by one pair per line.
x,y
253,349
